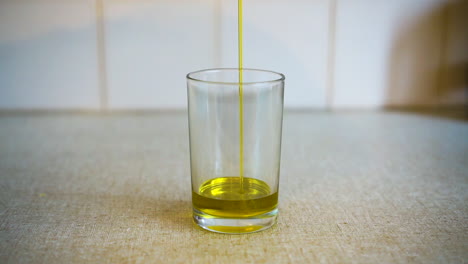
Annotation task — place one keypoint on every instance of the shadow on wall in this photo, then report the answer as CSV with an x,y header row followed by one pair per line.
x,y
429,60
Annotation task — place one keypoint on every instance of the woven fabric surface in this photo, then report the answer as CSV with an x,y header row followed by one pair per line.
x,y
115,188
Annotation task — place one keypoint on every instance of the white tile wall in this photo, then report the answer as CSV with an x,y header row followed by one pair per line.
x,y
290,37
387,53
48,54
335,53
152,45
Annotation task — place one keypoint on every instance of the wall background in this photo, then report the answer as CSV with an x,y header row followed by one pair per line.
x,y
120,54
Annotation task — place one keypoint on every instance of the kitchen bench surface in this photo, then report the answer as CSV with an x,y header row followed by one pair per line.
x,y
359,187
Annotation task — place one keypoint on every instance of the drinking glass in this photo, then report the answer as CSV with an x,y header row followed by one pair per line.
x,y
235,147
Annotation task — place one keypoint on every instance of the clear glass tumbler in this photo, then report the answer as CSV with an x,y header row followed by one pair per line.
x,y
235,146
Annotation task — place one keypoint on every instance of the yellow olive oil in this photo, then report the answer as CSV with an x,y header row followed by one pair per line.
x,y
223,197
241,93
237,196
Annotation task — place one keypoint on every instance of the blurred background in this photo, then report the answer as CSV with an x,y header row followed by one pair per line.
x,y
336,54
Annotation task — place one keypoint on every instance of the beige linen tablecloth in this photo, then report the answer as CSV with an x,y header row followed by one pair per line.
x,y
115,188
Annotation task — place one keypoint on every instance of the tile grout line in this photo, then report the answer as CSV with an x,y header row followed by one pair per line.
x,y
101,56
330,82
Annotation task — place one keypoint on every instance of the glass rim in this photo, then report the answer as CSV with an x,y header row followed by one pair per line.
x,y
280,75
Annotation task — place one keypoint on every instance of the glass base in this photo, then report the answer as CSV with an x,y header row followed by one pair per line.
x,y
235,225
